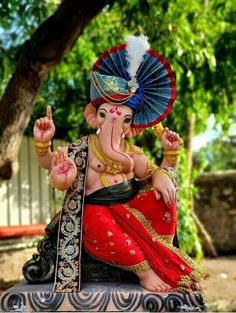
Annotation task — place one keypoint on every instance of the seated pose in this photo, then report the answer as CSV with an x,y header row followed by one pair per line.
x,y
106,208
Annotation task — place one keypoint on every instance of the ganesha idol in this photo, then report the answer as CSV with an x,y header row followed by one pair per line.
x,y
108,212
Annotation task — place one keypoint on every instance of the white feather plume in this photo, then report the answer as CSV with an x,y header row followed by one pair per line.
x,y
136,48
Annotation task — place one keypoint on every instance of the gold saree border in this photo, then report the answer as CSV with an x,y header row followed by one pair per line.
x,y
135,268
167,238
69,244
156,237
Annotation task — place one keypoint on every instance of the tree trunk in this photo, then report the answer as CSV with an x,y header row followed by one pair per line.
x,y
45,49
206,239
189,142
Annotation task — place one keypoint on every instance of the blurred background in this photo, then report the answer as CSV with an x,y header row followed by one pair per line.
x,y
198,38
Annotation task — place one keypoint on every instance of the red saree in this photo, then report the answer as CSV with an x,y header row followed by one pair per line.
x,y
138,235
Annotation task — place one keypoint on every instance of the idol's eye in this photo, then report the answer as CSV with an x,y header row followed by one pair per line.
x,y
127,120
102,114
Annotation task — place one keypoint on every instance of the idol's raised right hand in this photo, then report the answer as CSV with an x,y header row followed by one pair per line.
x,y
44,128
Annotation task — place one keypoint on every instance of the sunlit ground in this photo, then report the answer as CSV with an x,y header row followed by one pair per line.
x,y
220,286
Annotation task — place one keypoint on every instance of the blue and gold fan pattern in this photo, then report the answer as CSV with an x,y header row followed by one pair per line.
x,y
153,95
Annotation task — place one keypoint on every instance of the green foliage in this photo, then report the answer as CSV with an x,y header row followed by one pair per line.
x,y
18,20
220,154
187,230
198,40
190,36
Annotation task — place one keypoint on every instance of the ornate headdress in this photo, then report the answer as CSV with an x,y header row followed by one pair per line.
x,y
137,76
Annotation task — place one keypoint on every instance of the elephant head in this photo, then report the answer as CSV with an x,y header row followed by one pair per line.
x,y
114,123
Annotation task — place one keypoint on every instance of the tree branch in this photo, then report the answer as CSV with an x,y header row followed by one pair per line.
x,y
38,56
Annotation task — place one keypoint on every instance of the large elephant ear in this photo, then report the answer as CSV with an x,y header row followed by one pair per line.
x,y
90,115
134,132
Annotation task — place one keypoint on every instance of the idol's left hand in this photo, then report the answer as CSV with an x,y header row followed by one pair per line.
x,y
170,140
63,170
163,186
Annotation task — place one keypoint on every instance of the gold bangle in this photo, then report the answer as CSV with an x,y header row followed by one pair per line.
x,y
171,156
39,144
160,170
171,160
169,171
171,152
42,147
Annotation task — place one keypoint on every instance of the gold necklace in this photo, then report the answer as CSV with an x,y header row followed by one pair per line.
x,y
106,183
112,167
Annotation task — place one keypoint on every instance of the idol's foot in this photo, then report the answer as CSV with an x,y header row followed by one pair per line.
x,y
152,282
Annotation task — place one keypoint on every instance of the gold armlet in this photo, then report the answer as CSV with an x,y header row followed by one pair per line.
x,y
42,147
171,156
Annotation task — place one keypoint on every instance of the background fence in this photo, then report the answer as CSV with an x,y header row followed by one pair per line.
x,y
28,198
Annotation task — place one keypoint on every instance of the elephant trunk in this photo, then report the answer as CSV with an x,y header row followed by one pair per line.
x,y
110,141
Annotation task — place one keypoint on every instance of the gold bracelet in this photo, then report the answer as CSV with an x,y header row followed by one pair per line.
x,y
42,147
171,156
171,152
160,170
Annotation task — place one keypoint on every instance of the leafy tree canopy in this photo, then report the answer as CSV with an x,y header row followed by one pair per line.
x,y
197,39
220,154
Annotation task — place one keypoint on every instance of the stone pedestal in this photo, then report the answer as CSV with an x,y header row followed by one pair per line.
x,y
97,297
